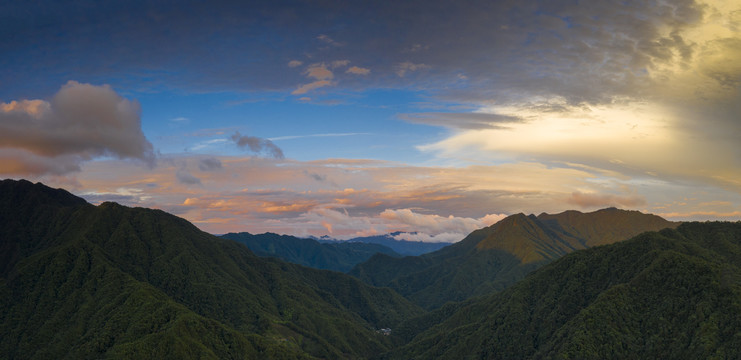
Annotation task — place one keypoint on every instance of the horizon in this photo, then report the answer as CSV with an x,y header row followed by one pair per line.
x,y
366,119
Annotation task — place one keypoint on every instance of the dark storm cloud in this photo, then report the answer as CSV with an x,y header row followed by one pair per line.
x,y
81,122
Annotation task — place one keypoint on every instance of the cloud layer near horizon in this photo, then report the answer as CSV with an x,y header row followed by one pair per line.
x,y
493,108
348,198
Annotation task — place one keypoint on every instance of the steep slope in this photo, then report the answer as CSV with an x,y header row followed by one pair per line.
x,y
339,256
670,294
110,281
495,257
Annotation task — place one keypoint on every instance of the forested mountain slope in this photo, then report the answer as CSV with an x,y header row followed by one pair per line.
x,y
491,259
85,282
673,294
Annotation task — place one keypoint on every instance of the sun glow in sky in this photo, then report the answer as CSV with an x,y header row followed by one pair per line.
x,y
348,119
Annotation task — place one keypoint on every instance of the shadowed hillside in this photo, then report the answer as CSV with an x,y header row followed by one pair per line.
x,y
85,282
674,294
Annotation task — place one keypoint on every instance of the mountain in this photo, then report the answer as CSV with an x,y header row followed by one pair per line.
x,y
673,294
492,258
403,247
339,256
79,281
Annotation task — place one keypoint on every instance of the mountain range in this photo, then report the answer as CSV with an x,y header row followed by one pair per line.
x,y
85,282
393,241
79,281
338,256
673,294
492,258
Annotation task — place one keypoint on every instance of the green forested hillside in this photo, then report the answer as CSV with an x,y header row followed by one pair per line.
x,y
491,259
86,282
338,256
674,294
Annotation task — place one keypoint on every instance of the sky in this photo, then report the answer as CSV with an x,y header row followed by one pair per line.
x,y
356,118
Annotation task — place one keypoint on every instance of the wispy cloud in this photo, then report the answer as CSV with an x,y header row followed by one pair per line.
x,y
293,137
352,197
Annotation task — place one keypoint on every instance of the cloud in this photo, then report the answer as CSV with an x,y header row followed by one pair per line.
x,y
303,89
292,137
316,176
327,40
433,224
403,68
257,145
209,164
319,72
439,238
80,123
185,177
339,63
295,63
358,70
364,196
605,200
462,120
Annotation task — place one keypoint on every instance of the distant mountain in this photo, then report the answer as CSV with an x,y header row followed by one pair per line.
x,y
673,294
403,247
492,258
338,256
79,281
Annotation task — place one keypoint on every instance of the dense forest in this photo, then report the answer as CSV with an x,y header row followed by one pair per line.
x,y
493,258
79,281
86,282
673,294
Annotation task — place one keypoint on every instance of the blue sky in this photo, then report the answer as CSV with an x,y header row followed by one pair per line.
x,y
355,118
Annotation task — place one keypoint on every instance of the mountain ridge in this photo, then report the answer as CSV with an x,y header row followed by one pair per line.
x,y
402,247
112,281
675,293
340,256
492,258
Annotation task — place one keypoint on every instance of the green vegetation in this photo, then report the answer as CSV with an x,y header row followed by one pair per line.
x,y
493,258
83,282
337,256
79,281
674,294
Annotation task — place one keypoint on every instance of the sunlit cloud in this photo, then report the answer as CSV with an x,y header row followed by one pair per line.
x,y
303,89
358,70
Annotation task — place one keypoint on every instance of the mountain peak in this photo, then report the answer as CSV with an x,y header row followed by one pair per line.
x,y
548,236
16,192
